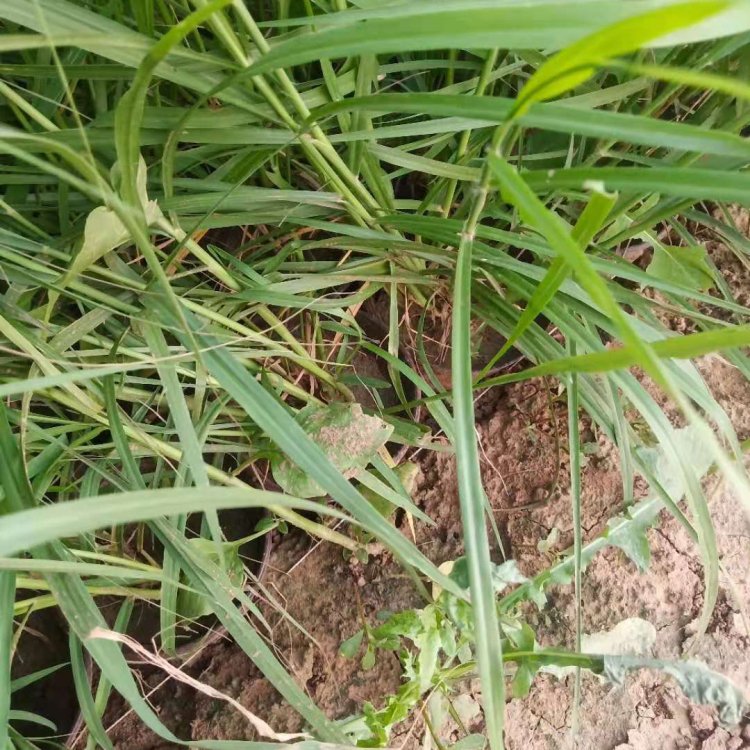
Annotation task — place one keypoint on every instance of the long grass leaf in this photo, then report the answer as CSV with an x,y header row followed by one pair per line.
x,y
86,702
562,117
478,25
30,528
551,226
7,598
69,592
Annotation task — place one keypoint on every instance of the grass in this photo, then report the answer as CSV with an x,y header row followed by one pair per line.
x,y
197,201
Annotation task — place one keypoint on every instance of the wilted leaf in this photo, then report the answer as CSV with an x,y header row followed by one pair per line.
x,y
630,534
689,445
349,438
428,646
503,575
698,682
467,709
632,636
547,545
506,574
686,266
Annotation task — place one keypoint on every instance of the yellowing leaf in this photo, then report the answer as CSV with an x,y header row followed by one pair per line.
x,y
104,231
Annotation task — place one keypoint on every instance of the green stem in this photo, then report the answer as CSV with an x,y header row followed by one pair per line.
x,y
471,492
463,143
575,498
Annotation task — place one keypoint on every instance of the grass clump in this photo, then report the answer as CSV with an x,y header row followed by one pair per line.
x,y
203,204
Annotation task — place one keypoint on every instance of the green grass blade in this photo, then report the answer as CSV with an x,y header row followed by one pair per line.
x,y
562,117
695,78
421,26
577,63
471,494
489,653
83,693
550,225
205,576
192,455
693,184
7,598
104,688
29,528
588,224
69,592
129,113
689,346
574,447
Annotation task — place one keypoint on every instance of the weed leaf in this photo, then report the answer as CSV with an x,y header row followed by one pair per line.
x,y
349,438
686,266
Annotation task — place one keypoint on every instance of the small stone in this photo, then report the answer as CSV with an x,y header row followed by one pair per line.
x,y
719,740
701,719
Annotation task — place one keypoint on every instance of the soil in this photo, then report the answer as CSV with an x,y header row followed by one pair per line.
x,y
314,598
44,644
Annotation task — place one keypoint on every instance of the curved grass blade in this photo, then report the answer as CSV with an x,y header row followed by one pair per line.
x,y
192,456
33,527
86,702
695,78
473,503
219,592
577,63
688,346
68,591
574,448
552,228
588,224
